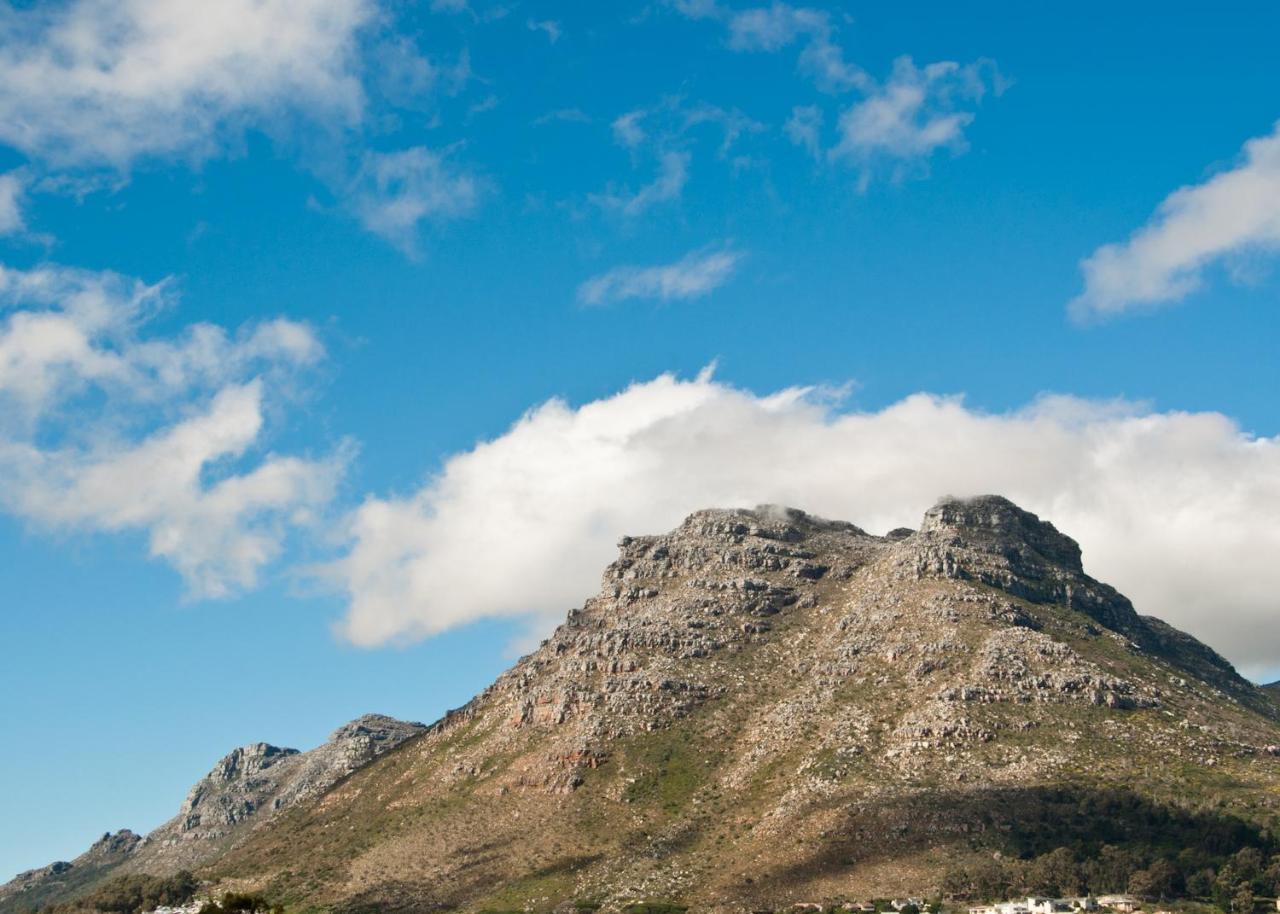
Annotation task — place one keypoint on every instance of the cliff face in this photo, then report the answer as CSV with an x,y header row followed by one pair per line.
x,y
245,789
762,707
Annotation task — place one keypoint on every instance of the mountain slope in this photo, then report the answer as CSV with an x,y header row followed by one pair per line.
x,y
244,790
763,707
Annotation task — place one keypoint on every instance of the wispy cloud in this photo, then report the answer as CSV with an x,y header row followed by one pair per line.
x,y
1176,509
13,185
563,116
668,185
548,27
628,130
696,274
914,113
804,128
104,428
1231,215
770,28
394,193
901,121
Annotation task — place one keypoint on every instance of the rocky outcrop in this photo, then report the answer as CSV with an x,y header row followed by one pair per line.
x,y
253,783
64,878
243,791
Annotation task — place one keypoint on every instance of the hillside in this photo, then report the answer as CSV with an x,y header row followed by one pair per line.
x,y
763,708
245,789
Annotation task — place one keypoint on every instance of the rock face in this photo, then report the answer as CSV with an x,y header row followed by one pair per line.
x,y
245,789
251,784
757,709
763,707
67,878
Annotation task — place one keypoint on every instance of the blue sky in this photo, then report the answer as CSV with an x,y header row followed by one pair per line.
x,y
340,340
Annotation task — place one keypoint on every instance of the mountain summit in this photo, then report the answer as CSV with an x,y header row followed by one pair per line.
x,y
763,707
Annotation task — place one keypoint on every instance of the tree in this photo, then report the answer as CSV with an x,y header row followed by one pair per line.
x,y
1158,881
1200,883
1243,901
1055,873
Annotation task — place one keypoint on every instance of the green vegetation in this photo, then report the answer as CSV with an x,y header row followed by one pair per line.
x,y
672,770
1231,882
133,894
239,903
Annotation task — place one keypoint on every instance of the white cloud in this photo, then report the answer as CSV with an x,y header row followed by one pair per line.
x,y
627,130
395,192
902,120
1176,509
103,428
770,28
1234,213
12,186
104,82
548,27
692,276
916,112
668,185
804,128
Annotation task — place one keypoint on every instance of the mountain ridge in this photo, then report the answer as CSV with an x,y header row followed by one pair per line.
x,y
751,696
763,707
244,789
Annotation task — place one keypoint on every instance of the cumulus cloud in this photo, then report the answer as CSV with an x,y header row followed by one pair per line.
x,y
668,185
395,192
914,113
1234,213
1176,509
105,83
104,428
12,186
692,276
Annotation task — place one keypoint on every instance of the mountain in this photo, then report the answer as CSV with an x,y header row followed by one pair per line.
x,y
763,708
243,791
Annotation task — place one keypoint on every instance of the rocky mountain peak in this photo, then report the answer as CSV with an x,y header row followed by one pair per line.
x,y
245,761
995,523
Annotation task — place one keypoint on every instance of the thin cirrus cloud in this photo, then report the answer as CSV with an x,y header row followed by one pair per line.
x,y
105,428
1232,215
12,188
393,193
93,82
696,274
1175,509
667,186
896,125
913,114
